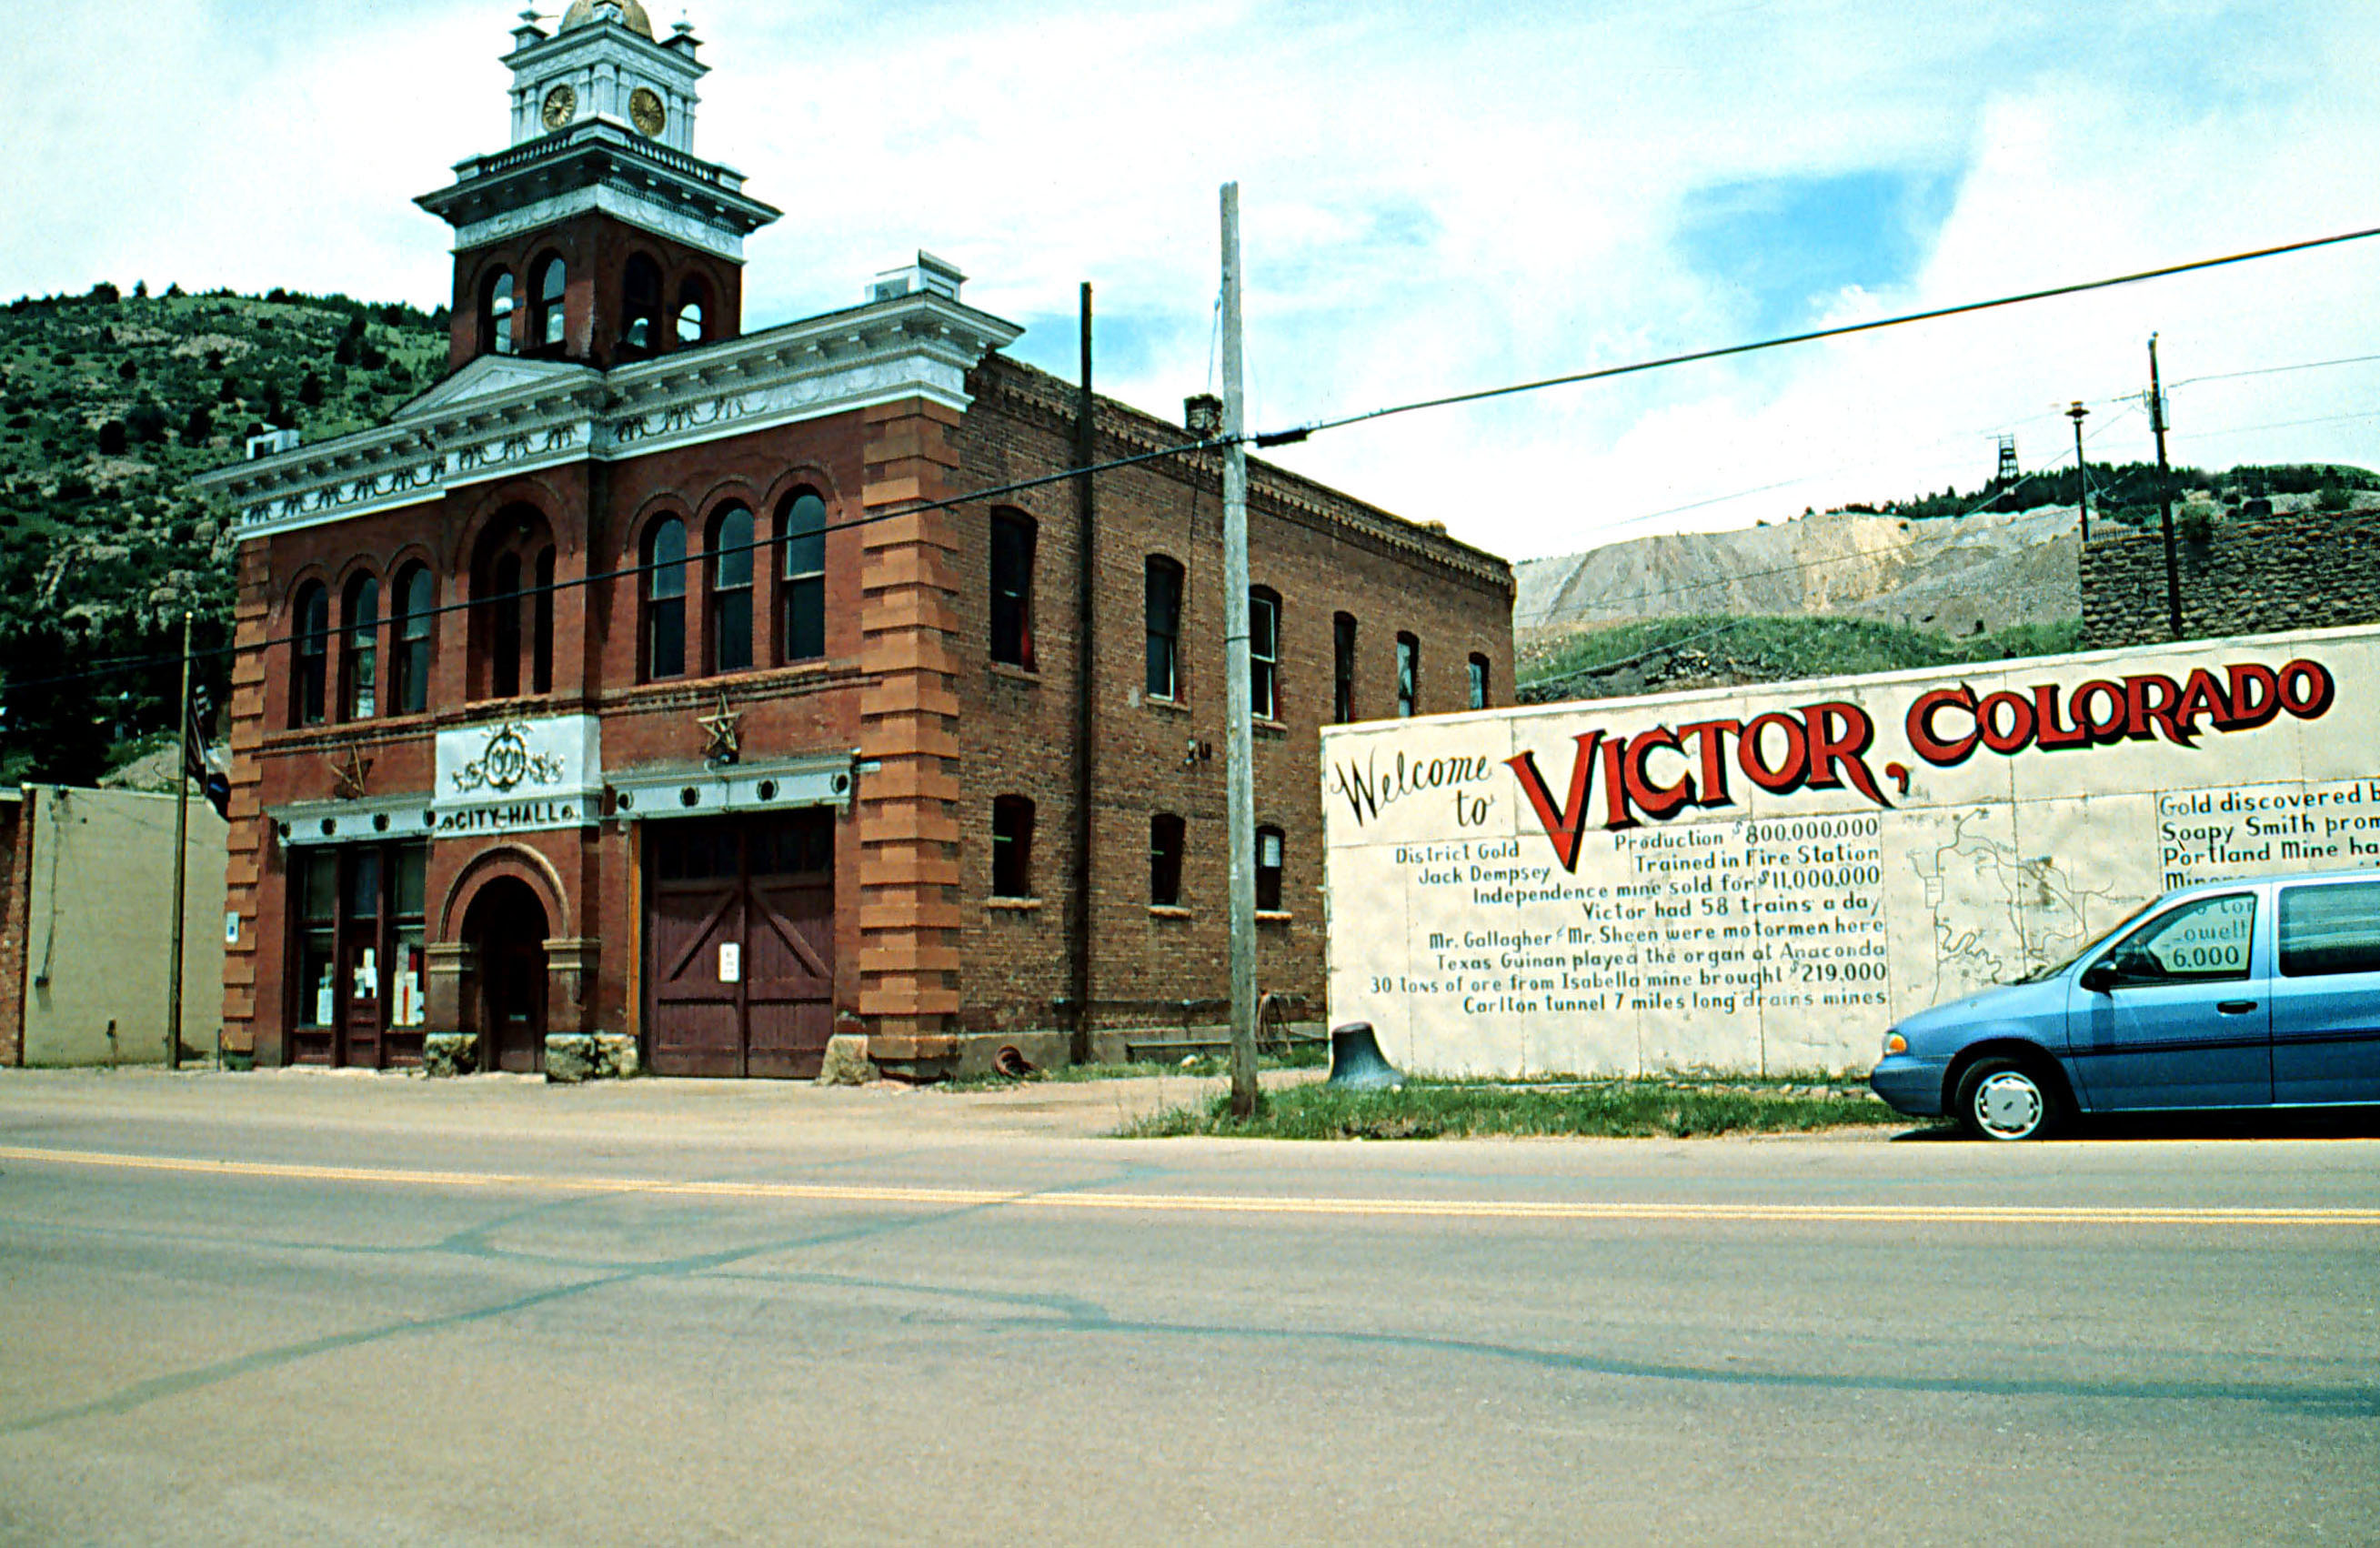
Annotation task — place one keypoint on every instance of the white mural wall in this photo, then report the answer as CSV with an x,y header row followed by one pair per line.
x,y
1764,879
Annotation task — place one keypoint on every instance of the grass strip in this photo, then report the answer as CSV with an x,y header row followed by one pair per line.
x,y
1461,1110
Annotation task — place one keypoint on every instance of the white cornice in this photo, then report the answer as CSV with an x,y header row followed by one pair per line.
x,y
499,418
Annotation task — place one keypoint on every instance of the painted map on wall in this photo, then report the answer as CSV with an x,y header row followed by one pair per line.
x,y
1765,879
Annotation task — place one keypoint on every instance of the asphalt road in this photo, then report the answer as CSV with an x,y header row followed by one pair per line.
x,y
340,1311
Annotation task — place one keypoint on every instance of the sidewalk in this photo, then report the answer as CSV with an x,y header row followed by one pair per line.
x,y
524,1105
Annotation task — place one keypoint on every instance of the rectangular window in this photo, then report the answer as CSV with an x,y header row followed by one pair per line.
x,y
409,966
318,954
1164,627
1479,682
1012,846
730,590
1264,654
412,665
2330,930
804,625
1342,669
1408,674
1012,587
541,635
1269,854
1165,835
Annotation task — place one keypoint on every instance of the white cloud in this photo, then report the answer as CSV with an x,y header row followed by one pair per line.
x,y
1435,200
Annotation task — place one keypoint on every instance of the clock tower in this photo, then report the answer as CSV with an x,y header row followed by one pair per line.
x,y
598,237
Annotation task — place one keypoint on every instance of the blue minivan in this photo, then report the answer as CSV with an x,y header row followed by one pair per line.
x,y
2257,993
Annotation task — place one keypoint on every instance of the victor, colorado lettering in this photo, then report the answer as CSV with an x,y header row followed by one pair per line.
x,y
1658,773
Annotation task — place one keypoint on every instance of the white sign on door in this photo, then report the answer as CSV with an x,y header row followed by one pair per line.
x,y
731,962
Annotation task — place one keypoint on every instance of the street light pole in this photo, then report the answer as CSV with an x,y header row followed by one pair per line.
x,y
2082,468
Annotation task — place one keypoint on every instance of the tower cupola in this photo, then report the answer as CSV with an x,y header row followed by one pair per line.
x,y
598,234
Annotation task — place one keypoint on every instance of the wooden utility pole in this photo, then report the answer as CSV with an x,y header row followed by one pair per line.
x,y
1087,683
181,863
2165,495
1239,778
2082,468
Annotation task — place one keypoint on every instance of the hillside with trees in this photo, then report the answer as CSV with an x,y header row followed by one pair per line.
x,y
109,403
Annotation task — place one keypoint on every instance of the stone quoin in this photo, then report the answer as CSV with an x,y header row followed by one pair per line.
x,y
649,694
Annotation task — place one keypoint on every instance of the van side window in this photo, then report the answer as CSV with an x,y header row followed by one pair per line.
x,y
2201,942
2330,930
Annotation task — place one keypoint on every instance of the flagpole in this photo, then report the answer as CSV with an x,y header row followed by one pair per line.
x,y
181,863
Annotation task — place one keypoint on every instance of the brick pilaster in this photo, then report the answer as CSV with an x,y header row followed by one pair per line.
x,y
244,878
908,809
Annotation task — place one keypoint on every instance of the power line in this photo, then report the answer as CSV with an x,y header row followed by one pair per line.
x,y
1301,433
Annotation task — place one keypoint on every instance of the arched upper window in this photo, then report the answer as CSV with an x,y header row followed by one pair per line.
x,y
693,311
359,665
412,598
641,312
505,602
730,590
546,326
803,522
1343,668
308,687
664,621
512,612
1165,607
496,306
1012,537
1264,653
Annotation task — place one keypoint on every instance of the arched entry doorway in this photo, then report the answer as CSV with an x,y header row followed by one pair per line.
x,y
506,924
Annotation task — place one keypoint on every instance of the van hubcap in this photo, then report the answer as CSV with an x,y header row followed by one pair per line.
x,y
2009,1105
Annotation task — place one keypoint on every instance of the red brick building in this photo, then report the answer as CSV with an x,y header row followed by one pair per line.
x,y
649,693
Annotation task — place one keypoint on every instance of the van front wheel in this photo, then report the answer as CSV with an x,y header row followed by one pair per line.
x,y
2006,1099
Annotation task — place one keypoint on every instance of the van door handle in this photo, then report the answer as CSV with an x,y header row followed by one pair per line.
x,y
2236,1008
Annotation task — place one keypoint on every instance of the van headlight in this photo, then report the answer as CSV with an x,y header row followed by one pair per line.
x,y
1895,1044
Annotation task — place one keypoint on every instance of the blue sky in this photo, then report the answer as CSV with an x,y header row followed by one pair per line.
x,y
1434,198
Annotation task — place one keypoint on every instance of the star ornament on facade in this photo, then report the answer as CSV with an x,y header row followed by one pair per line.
x,y
349,779
725,732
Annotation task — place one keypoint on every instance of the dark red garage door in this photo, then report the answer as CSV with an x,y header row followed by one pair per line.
x,y
739,945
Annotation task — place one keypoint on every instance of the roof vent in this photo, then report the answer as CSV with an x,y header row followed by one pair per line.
x,y
928,275
273,442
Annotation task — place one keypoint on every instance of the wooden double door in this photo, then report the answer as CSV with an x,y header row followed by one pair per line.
x,y
739,945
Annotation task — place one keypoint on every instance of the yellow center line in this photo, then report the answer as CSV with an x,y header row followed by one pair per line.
x,y
1164,1204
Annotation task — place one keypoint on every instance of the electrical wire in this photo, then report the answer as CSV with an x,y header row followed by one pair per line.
x,y
1302,432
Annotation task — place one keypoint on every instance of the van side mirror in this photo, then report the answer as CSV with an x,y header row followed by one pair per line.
x,y
2098,978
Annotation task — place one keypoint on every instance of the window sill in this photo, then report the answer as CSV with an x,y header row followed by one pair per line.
x,y
1168,911
1013,904
1016,674
1172,706
1274,916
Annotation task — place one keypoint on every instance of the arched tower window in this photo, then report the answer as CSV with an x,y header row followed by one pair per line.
x,y
360,667
410,676
803,526
546,324
496,306
663,631
640,328
308,687
730,590
693,311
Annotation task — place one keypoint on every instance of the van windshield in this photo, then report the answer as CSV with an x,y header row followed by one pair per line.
x,y
2086,949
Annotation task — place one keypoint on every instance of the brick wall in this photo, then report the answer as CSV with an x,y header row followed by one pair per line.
x,y
2308,570
1324,554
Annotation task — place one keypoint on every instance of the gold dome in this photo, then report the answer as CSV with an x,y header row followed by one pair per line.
x,y
582,14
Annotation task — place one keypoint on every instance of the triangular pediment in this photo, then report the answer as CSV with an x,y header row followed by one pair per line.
x,y
491,376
